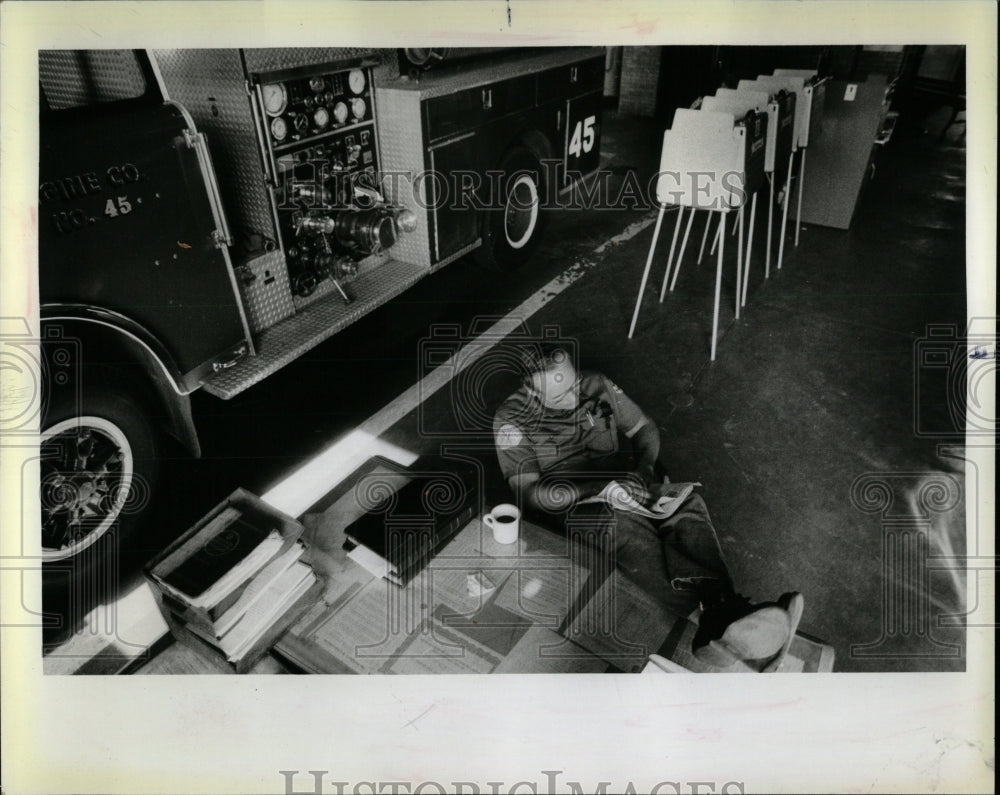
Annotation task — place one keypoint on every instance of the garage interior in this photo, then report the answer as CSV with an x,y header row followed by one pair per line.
x,y
817,398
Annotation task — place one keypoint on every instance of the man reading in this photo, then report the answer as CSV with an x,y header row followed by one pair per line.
x,y
573,446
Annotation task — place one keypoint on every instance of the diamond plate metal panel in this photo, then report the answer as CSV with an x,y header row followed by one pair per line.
x,y
210,84
268,298
286,341
71,78
273,58
323,289
402,143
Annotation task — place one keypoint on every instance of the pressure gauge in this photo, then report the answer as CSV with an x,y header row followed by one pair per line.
x,y
301,122
317,84
340,112
321,117
356,81
279,128
275,97
358,107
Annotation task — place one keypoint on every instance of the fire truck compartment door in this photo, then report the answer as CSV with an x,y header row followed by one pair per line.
x,y
582,143
129,221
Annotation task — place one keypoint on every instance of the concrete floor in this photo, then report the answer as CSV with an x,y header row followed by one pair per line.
x,y
813,388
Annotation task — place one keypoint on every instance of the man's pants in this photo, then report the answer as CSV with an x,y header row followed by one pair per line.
x,y
663,558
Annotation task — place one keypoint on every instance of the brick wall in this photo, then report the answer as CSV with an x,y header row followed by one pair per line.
x,y
639,81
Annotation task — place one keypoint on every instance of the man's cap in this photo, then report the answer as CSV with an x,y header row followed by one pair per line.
x,y
542,357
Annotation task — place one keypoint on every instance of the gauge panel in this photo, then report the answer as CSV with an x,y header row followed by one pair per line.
x,y
316,104
322,147
356,81
279,129
275,97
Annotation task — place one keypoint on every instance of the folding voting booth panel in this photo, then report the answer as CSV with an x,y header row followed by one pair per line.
x,y
750,109
810,97
780,107
787,137
815,88
702,166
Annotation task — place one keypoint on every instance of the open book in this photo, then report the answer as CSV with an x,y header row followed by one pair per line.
x,y
663,507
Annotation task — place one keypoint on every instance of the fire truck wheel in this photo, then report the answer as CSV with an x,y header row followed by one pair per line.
x,y
511,232
99,465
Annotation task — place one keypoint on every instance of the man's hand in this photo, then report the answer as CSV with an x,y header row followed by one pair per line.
x,y
646,474
658,490
646,446
636,488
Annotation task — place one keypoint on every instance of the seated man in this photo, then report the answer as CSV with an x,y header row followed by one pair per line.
x,y
557,440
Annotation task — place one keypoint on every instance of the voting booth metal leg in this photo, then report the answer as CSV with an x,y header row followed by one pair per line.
x,y
770,221
704,237
802,181
746,266
739,260
718,235
680,254
784,212
645,273
670,256
718,284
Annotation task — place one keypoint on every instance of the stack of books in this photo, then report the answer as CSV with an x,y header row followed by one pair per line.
x,y
236,580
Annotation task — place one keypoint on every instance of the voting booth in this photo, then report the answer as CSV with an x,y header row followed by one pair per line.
x,y
810,93
718,157
751,108
813,89
704,166
781,144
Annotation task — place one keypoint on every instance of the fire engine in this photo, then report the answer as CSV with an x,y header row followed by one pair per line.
x,y
207,216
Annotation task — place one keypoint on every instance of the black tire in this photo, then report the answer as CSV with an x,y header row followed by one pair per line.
x,y
99,466
510,233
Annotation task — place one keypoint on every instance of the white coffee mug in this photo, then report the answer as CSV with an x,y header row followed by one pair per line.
x,y
505,522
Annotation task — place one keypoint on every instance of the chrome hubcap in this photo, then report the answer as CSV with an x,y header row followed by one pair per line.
x,y
86,472
521,212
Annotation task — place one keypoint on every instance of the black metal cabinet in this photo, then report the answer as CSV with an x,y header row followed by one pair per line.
x,y
571,80
469,119
839,163
455,195
456,113
581,144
